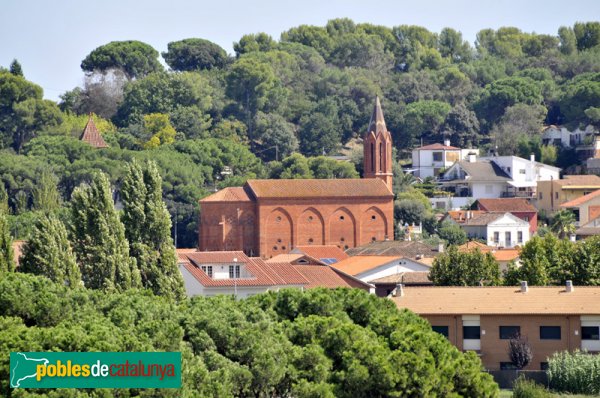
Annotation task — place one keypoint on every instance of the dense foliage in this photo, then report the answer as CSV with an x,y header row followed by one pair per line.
x,y
215,120
574,373
326,343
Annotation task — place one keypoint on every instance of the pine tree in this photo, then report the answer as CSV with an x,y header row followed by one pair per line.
x,y
98,239
48,253
45,193
15,68
148,229
7,262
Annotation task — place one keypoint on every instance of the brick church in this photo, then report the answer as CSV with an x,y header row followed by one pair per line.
x,y
269,217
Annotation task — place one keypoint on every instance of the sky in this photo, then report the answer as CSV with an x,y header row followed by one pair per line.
x,y
50,38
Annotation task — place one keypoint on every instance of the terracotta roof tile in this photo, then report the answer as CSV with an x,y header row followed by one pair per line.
x,y
581,200
358,264
229,194
438,146
281,273
182,252
320,276
499,254
460,216
92,136
320,252
285,258
217,257
511,205
579,180
500,300
410,249
483,218
313,188
472,245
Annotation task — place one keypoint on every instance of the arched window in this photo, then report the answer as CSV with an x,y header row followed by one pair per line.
x,y
372,157
381,167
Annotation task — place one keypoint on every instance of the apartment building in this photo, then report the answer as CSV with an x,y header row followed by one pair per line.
x,y
553,193
483,319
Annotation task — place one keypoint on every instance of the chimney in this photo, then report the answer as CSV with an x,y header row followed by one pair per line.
x,y
441,247
524,287
399,290
532,157
472,158
447,142
569,288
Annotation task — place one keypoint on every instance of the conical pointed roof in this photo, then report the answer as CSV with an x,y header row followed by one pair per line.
x,y
92,136
377,123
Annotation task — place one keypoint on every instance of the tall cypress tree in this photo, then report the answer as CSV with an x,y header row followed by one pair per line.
x,y
98,239
45,193
48,252
7,261
148,229
3,199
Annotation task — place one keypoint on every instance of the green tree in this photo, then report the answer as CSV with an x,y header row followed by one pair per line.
x,y
194,54
453,46
7,263
275,135
579,94
519,121
48,252
134,58
294,166
3,199
568,40
312,36
423,118
254,42
452,233
148,230
159,128
587,34
563,223
320,131
324,167
15,68
454,268
45,194
98,239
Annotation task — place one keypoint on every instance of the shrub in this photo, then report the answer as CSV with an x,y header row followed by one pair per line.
x,y
523,388
575,373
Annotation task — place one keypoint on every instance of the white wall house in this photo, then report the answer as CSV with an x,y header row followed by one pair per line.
x,y
497,229
430,160
369,268
492,177
556,135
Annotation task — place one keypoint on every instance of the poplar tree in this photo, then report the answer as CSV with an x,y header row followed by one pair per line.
x,y
3,199
148,229
7,261
48,252
98,239
45,193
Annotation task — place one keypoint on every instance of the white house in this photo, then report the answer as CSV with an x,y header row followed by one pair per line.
x,y
370,268
561,136
492,177
430,160
497,229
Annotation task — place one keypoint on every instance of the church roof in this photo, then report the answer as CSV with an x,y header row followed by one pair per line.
x,y
377,123
313,188
92,136
229,194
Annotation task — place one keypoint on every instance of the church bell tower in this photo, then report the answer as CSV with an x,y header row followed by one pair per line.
x,y
378,148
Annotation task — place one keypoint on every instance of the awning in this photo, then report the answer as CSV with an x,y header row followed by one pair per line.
x,y
522,184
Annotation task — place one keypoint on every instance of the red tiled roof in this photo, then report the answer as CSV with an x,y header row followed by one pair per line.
x,y
314,188
217,257
181,253
229,194
499,254
581,200
92,136
438,146
319,252
460,216
506,205
320,276
263,274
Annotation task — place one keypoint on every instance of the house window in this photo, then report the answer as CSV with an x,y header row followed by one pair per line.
x,y
496,237
443,330
521,171
234,271
541,196
590,333
437,156
556,195
508,332
520,236
544,365
507,366
489,189
508,170
526,218
507,238
549,332
208,270
471,332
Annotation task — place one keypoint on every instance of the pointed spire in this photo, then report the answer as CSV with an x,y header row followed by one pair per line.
x,y
91,135
377,123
